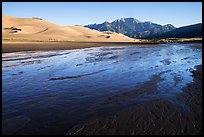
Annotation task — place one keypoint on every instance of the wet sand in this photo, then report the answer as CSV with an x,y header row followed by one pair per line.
x,y
8,47
147,88
156,117
51,92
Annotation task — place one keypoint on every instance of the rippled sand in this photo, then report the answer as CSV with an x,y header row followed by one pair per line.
x,y
157,117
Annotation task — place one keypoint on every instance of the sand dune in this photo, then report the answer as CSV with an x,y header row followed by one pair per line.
x,y
35,29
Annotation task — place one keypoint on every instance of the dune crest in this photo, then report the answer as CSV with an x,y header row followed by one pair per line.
x,y
37,29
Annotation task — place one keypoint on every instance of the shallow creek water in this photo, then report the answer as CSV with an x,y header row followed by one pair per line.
x,y
48,92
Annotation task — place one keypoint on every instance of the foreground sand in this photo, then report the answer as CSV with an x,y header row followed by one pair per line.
x,y
157,117
32,46
18,46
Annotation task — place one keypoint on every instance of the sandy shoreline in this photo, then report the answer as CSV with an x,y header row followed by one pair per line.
x,y
8,47
157,117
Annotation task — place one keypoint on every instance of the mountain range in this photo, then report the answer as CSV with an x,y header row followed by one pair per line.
x,y
121,30
138,29
190,31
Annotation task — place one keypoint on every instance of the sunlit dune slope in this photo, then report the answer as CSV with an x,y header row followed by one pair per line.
x,y
36,29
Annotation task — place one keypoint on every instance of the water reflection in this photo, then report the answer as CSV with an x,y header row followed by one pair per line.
x,y
49,92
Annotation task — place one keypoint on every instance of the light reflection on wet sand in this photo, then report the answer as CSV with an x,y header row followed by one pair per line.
x,y
88,78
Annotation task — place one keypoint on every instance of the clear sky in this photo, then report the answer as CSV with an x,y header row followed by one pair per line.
x,y
83,13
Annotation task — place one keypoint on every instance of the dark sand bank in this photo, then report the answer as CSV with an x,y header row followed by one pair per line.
x,y
8,47
156,117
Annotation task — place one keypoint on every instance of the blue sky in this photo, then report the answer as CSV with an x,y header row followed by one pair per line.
x,y
82,13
